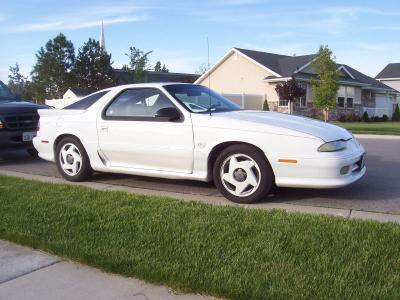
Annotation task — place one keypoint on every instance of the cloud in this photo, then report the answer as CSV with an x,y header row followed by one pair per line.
x,y
89,17
68,25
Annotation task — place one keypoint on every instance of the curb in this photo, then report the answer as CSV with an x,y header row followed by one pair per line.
x,y
377,136
216,200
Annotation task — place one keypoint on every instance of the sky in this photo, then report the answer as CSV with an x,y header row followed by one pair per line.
x,y
363,34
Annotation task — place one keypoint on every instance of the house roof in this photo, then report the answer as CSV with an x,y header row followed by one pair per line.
x,y
122,77
367,80
390,71
284,65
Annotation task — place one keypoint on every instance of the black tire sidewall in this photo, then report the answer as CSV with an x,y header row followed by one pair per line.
x,y
267,175
85,170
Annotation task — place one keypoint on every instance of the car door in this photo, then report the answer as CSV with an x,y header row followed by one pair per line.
x,y
130,135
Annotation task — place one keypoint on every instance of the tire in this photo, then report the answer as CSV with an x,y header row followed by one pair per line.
x,y
72,160
32,152
243,174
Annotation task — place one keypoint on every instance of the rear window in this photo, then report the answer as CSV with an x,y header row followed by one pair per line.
x,y
86,102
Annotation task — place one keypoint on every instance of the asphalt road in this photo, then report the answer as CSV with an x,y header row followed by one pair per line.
x,y
377,191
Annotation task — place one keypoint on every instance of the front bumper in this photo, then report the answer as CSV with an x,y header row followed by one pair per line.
x,y
321,173
13,140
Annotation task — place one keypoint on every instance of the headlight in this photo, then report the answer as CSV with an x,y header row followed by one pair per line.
x,y
333,146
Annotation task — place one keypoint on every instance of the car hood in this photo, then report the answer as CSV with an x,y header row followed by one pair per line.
x,y
269,121
16,107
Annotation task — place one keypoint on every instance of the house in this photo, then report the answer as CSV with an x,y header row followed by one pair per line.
x,y
249,78
122,76
390,75
77,93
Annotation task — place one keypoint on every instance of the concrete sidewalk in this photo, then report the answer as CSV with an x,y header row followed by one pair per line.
x,y
217,200
29,274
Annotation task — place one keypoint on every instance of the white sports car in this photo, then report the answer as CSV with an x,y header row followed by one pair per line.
x,y
186,131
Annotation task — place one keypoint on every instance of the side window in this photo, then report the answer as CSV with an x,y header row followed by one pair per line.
x,y
137,103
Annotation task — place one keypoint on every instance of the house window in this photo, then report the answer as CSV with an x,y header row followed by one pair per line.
x,y
340,102
303,101
349,102
345,97
283,103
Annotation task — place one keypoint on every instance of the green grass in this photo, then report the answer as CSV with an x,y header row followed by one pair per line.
x,y
372,127
222,251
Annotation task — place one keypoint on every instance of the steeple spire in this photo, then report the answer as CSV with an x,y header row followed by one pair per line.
x,y
102,40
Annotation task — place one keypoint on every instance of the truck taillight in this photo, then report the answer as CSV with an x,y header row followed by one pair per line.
x,y
38,126
2,125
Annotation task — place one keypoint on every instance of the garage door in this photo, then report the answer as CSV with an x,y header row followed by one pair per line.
x,y
247,101
383,106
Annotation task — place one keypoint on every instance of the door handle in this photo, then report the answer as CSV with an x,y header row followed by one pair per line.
x,y
104,127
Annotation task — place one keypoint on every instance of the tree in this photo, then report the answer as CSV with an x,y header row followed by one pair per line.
x,y
157,67
265,106
201,69
396,114
138,64
326,85
52,74
18,83
290,91
164,69
93,66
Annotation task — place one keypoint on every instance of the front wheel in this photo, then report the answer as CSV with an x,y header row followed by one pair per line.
x,y
72,160
243,174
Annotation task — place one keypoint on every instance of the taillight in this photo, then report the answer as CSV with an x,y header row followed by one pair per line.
x,y
38,126
2,125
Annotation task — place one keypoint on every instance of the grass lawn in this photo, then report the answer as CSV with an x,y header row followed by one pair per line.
x,y
229,252
372,127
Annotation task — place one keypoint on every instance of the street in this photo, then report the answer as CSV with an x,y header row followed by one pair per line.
x,y
378,191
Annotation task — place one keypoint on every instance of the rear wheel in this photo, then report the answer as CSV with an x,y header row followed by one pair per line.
x,y
72,160
243,174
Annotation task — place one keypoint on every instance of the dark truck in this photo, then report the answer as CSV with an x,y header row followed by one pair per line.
x,y
18,121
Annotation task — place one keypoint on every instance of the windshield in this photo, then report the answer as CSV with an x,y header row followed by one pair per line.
x,y
199,99
5,93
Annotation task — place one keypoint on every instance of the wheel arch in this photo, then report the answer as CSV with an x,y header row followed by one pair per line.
x,y
217,149
64,135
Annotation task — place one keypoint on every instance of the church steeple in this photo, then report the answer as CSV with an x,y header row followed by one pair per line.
x,y
102,40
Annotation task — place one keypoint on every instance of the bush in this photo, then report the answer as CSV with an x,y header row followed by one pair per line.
x,y
376,119
365,117
385,118
265,106
396,114
342,118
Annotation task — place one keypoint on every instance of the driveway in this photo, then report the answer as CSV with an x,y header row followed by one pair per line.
x,y
378,191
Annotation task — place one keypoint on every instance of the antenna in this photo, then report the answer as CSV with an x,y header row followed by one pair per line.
x,y
209,73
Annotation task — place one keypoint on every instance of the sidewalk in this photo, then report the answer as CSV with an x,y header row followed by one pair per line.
x,y
30,274
215,200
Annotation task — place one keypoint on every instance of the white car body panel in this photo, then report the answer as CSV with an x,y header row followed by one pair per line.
x,y
181,150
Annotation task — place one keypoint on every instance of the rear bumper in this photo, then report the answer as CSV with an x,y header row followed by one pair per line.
x,y
321,173
13,140
44,148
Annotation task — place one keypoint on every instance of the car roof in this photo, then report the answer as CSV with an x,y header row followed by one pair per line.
x,y
151,84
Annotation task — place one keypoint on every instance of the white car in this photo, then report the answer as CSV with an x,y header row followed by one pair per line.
x,y
186,131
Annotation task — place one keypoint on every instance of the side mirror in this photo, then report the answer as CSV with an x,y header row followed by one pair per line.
x,y
168,114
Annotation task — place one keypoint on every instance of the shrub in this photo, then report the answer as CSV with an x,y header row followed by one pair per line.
x,y
396,114
265,106
365,117
385,118
342,118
